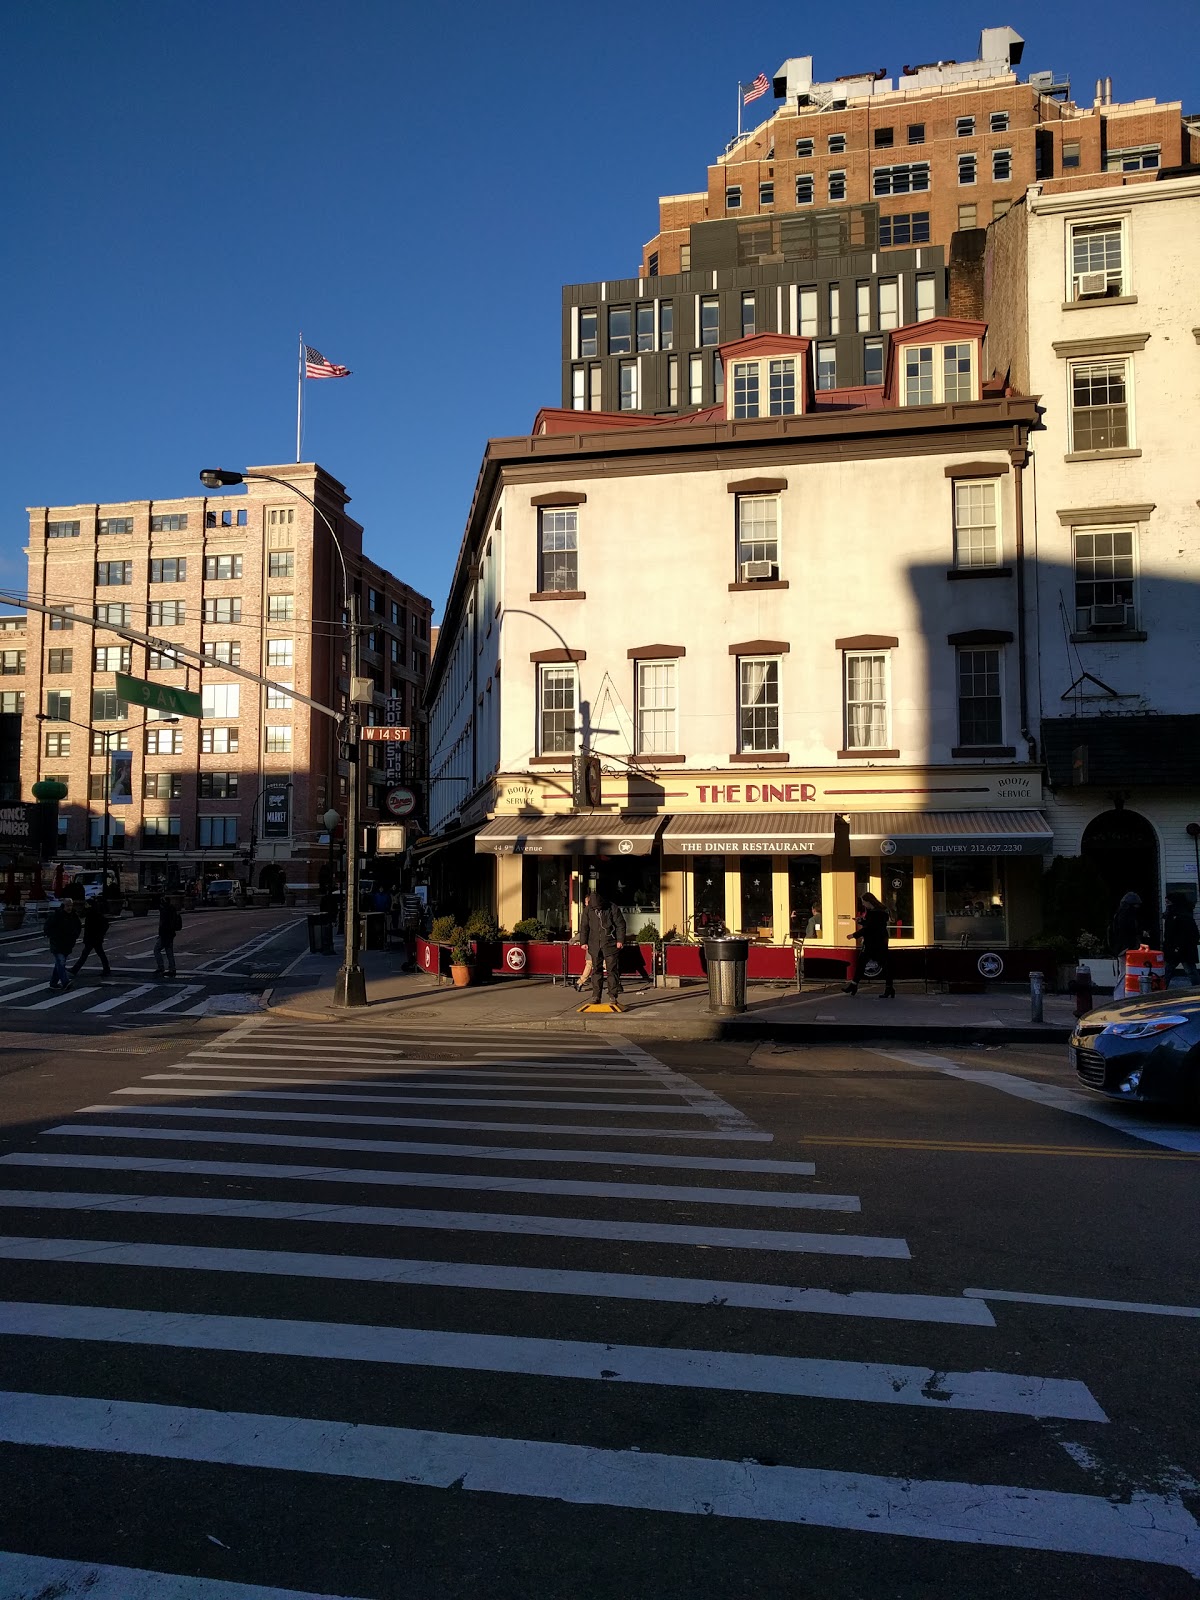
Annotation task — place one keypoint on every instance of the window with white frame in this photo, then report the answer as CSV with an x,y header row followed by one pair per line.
x,y
1001,166
1099,410
967,165
558,549
218,741
837,185
806,312
556,710
1097,256
656,707
866,700
980,697
58,744
113,658
578,392
964,127
628,390
758,703
1104,580
777,376
227,651
976,522
710,319
998,122
835,308
695,380
279,652
217,830
1139,158
837,144
805,185
936,374
278,741
757,537
220,700
644,325
926,297
862,307
804,149
277,700
102,743
825,366
164,742
745,389
889,303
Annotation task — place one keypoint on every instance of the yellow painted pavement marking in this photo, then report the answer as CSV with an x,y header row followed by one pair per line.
x,y
989,1147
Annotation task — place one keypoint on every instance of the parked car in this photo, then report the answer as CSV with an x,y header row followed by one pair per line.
x,y
1145,1049
223,892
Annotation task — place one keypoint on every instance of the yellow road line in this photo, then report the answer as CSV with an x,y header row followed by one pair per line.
x,y
982,1147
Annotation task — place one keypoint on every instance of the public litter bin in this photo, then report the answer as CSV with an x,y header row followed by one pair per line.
x,y
374,930
726,961
320,934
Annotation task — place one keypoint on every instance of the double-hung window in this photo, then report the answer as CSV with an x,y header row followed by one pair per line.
x,y
171,613
58,744
757,537
977,523
645,325
59,661
866,700
656,707
164,742
733,197
628,385
113,658
980,700
620,330
666,325
710,320
1142,158
758,703
278,741
1100,405
280,652
934,374
556,710
168,569
222,568
107,706
281,608
588,342
217,741
220,700
58,705
825,366
112,573
222,611
1104,580
558,549
1097,260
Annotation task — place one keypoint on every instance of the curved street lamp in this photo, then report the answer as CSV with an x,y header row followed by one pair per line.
x,y
349,987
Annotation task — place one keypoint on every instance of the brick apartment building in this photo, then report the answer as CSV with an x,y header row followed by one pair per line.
x,y
251,579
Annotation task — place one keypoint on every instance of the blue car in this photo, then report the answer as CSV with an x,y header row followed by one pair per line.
x,y
1145,1049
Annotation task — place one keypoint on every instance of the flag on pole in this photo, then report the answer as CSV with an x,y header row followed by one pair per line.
x,y
755,90
316,366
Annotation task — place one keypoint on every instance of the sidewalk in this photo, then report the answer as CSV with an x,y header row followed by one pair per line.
x,y
821,1015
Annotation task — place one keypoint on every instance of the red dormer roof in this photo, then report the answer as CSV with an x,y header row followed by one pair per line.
x,y
559,419
764,344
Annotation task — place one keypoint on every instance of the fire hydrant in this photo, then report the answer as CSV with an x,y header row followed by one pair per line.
x,y
1081,988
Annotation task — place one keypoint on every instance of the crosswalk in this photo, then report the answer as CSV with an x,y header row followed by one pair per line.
x,y
477,1292
120,997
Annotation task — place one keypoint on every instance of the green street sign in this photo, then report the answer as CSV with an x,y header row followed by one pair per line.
x,y
179,702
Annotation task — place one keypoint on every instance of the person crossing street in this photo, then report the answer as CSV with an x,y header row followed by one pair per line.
x,y
169,924
62,932
602,932
95,927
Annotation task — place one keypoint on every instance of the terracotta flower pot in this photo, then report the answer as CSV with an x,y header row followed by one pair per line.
x,y
461,974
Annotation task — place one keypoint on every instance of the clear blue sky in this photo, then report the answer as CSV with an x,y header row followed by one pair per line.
x,y
186,185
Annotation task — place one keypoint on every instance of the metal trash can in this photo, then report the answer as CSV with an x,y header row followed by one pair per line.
x,y
374,930
320,935
726,961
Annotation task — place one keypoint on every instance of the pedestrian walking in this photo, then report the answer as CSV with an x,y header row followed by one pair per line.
x,y
1181,939
872,937
1126,932
95,926
62,932
169,924
602,931
411,914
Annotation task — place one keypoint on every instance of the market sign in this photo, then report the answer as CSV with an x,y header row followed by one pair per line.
x,y
158,696
30,827
277,811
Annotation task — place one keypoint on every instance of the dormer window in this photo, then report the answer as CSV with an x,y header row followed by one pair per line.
x,y
772,380
938,373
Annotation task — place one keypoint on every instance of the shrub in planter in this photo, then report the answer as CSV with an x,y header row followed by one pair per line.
x,y
648,934
443,930
531,928
482,925
462,957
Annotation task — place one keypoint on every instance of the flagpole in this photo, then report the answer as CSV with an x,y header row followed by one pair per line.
x,y
739,113
299,394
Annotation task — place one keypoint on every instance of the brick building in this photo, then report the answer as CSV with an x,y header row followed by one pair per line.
x,y
251,580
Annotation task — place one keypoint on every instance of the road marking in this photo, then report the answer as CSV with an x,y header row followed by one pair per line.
x,y
1145,1527
173,1000
1081,1303
192,1075
863,1382
490,1183
586,1129
249,947
826,1244
73,993
716,1292
254,1074
47,1576
993,1147
390,1061
7,983
403,1073
415,1147
121,999
34,988
1057,1098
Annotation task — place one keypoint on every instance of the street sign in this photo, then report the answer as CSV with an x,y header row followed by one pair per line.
x,y
158,696
401,802
383,735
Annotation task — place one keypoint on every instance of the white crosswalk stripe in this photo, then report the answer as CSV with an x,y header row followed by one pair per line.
x,y
234,1225
123,999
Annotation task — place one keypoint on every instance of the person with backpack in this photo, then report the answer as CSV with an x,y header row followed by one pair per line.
x,y
169,924
602,932
1181,939
95,926
62,930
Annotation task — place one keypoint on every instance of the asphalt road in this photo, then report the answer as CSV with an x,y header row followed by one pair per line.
x,y
305,1311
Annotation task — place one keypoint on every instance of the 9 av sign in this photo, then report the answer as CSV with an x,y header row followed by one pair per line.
x,y
158,696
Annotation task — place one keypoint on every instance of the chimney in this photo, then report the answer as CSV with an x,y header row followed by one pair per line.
x,y
1108,91
1099,100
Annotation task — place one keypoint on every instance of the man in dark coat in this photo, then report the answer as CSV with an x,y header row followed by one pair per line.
x,y
602,931
872,936
1127,931
95,926
1181,939
62,930
169,924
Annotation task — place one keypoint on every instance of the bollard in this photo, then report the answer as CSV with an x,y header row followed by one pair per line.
x,y
1037,991
1082,988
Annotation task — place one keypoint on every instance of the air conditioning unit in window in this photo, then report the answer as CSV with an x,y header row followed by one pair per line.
x,y
752,570
1114,616
1088,285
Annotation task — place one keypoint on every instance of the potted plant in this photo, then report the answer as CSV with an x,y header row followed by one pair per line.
x,y
530,930
462,957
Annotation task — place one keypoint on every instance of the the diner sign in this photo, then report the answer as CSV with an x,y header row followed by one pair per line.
x,y
728,845
757,794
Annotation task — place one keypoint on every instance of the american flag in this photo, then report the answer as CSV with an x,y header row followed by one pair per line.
x,y
316,366
756,90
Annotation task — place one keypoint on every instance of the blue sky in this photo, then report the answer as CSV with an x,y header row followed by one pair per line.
x,y
185,186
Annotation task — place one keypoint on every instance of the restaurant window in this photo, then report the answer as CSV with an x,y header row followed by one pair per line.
x,y
556,710
656,707
866,701
757,537
758,703
896,892
708,894
632,883
976,523
980,701
804,897
547,883
558,549
757,900
968,901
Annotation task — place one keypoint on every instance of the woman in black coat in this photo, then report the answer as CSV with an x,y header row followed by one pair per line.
x,y
872,937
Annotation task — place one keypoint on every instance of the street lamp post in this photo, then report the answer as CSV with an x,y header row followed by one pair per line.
x,y
349,987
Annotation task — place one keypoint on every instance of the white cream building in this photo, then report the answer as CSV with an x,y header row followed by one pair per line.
x,y
1094,306
790,630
